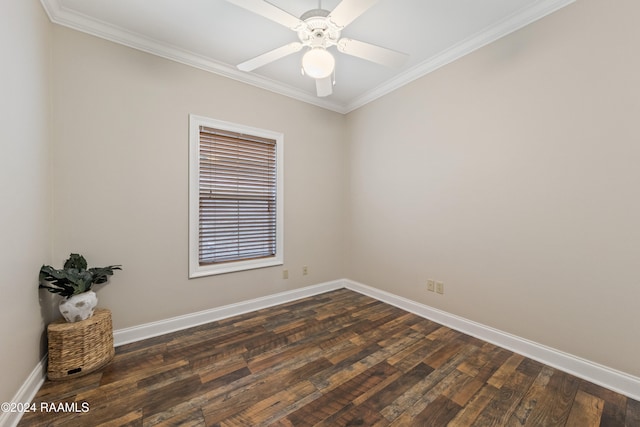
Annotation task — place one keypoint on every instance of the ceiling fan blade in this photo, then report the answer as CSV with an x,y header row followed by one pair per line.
x,y
373,53
324,87
270,56
269,11
348,10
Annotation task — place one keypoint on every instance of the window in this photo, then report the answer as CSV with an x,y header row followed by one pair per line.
x,y
235,197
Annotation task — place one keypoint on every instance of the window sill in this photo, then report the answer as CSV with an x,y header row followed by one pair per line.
x,y
212,270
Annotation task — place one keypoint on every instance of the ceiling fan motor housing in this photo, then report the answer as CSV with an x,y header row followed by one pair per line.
x,y
318,30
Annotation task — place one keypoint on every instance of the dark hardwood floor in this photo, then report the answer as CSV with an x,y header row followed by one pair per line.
x,y
336,359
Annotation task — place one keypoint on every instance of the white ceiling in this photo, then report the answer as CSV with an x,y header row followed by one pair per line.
x,y
215,35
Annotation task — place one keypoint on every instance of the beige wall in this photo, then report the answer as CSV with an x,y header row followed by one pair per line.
x,y
512,175
25,242
120,130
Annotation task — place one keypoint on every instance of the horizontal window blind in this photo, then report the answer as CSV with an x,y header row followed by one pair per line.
x,y
237,192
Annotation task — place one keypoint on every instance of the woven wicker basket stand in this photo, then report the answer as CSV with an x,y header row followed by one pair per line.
x,y
78,348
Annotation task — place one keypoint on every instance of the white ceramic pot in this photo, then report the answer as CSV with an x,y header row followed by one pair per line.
x,y
78,307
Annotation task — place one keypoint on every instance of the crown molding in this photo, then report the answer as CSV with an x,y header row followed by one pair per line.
x,y
507,26
67,18
79,22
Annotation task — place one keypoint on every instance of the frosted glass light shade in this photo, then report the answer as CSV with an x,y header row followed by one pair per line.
x,y
318,63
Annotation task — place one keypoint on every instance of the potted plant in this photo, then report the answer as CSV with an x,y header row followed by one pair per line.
x,y
73,282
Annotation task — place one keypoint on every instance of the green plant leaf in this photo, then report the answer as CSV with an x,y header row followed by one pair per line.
x,y
74,278
75,261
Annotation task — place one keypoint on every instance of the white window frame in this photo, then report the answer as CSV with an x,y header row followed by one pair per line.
x,y
195,269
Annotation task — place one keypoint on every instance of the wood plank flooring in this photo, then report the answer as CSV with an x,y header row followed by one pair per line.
x,y
336,359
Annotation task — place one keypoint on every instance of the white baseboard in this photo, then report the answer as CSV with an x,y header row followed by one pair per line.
x,y
26,393
598,374
153,329
604,376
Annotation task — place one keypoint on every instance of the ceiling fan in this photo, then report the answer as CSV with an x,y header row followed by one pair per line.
x,y
319,29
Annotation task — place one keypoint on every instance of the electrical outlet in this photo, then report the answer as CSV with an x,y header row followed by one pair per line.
x,y
431,285
285,274
305,270
440,287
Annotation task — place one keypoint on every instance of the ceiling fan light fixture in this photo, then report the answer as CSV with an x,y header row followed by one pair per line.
x,y
318,63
